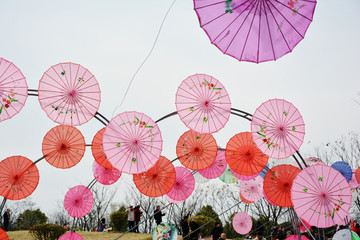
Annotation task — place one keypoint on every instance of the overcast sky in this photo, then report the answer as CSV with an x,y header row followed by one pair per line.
x,y
111,38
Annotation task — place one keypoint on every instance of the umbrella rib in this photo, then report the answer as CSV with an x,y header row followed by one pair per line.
x,y
12,74
259,34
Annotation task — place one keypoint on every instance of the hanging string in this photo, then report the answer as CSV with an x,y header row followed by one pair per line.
x,y
152,48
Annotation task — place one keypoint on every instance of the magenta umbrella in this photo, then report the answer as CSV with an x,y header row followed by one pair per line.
x,y
71,236
278,128
78,201
216,168
321,196
184,185
69,94
170,200
252,190
203,104
13,90
105,176
132,142
255,31
242,223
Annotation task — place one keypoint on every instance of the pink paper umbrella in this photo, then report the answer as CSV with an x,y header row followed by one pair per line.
x,y
216,168
314,161
353,182
278,128
242,223
13,90
296,237
243,177
252,190
184,185
203,104
255,31
78,201
302,227
71,236
69,94
105,176
132,142
321,196
170,200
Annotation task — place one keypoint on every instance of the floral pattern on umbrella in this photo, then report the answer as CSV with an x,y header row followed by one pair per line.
x,y
132,142
203,104
165,231
69,94
19,177
78,201
278,128
13,90
321,196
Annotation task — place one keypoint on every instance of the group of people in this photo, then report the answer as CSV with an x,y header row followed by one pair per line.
x,y
134,216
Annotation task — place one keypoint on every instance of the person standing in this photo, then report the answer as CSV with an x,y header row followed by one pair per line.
x,y
158,215
6,219
194,235
102,225
216,231
131,218
222,236
185,227
137,217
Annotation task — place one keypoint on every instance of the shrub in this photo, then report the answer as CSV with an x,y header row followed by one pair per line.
x,y
200,220
47,231
30,218
118,220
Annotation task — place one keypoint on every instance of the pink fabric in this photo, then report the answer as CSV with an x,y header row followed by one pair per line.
x,y
184,185
78,201
243,177
13,90
278,128
71,236
242,223
203,104
104,175
252,190
69,94
132,142
216,168
255,31
321,196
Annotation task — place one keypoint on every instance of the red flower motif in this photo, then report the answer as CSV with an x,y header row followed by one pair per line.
x,y
6,105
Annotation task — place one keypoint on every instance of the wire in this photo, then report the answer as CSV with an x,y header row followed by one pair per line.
x,y
152,48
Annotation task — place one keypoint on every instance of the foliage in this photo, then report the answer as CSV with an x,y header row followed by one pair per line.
x,y
201,220
118,220
148,238
208,211
30,218
47,231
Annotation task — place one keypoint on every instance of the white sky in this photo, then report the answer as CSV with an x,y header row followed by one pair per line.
x,y
111,38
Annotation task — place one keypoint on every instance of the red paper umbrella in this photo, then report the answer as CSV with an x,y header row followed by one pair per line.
x,y
13,90
158,180
78,201
196,151
63,146
243,156
203,104
19,177
277,184
3,235
69,94
105,176
357,174
98,151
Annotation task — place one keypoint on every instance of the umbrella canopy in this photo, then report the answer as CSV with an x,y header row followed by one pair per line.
x,y
344,168
314,161
105,176
165,231
3,235
243,156
196,151
296,237
170,200
132,142
357,174
63,146
216,168
243,177
255,31
158,180
321,196
13,90
228,176
69,94
98,150
78,201
19,177
252,190
244,200
184,184
71,236
242,223
345,234
199,179
278,128
203,104
353,182
277,184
